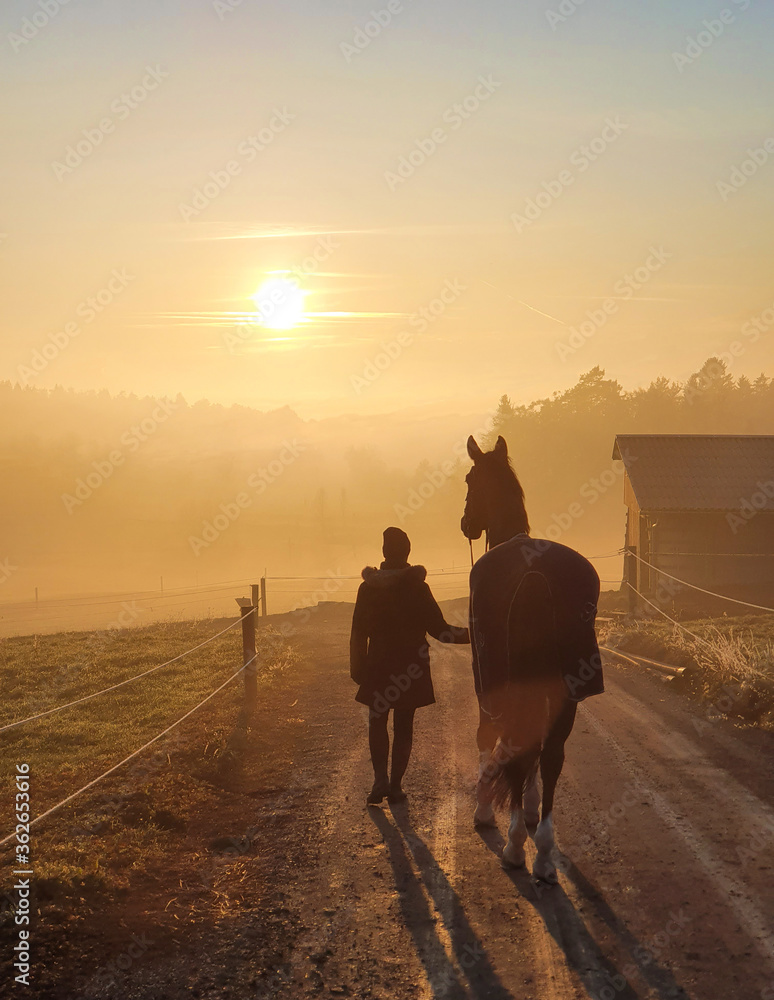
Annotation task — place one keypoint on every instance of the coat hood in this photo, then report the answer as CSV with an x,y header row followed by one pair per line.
x,y
389,577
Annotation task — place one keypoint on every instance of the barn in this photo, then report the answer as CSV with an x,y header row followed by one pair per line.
x,y
699,507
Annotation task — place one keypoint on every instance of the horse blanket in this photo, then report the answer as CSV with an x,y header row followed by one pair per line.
x,y
533,605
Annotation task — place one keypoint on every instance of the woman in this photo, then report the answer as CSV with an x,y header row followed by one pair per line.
x,y
390,657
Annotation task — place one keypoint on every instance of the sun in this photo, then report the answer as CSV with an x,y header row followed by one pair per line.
x,y
280,304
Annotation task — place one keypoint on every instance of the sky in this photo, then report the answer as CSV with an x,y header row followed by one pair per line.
x,y
454,200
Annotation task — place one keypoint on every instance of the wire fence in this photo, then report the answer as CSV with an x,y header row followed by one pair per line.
x,y
674,621
129,680
693,586
455,579
136,753
137,608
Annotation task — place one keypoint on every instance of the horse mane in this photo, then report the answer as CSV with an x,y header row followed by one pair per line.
x,y
505,476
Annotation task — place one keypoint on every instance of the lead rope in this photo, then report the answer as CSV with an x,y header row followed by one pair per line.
x,y
486,546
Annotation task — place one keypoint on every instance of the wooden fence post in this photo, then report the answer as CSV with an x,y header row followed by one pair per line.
x,y
248,651
264,612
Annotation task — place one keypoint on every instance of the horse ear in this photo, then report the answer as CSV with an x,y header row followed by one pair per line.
x,y
501,448
473,449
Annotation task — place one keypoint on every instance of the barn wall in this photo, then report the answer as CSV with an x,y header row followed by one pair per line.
x,y
704,549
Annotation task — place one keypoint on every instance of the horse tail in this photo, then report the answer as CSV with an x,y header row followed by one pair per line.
x,y
524,700
510,776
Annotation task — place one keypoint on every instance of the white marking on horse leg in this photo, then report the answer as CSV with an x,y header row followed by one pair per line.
x,y
513,852
484,814
532,802
544,867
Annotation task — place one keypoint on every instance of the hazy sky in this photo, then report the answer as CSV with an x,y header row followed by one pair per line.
x,y
603,114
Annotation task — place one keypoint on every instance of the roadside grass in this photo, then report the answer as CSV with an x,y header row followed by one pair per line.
x,y
126,826
729,663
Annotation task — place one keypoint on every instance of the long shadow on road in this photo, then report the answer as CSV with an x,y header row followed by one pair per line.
x,y
598,973
471,973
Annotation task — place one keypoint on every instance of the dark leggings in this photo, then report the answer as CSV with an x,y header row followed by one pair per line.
x,y
379,742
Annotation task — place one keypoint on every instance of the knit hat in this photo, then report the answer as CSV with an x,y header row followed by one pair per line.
x,y
396,546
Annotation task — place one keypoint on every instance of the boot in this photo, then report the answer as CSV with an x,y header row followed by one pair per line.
x,y
379,791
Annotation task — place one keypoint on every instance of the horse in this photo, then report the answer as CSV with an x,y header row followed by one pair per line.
x,y
533,604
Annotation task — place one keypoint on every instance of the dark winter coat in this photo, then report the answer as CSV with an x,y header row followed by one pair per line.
x,y
389,654
533,605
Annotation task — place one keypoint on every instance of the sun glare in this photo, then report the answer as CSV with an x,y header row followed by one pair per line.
x,y
280,304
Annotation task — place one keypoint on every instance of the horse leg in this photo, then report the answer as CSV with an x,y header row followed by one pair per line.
x,y
551,761
518,772
513,852
486,738
532,801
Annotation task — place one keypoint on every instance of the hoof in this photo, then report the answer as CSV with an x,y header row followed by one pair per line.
x,y
484,817
513,857
545,873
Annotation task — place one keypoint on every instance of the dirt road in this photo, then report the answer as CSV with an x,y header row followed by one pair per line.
x,y
664,826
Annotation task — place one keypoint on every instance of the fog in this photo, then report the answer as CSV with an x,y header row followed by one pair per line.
x,y
110,494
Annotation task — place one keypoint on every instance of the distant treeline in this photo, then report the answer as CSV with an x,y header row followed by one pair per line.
x,y
561,447
108,492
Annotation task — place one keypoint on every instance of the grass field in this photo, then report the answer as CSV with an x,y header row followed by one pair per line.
x,y
136,816
728,661
145,804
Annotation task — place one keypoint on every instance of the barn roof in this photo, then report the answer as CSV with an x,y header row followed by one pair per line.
x,y
698,471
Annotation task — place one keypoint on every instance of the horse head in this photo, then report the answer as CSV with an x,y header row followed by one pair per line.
x,y
495,500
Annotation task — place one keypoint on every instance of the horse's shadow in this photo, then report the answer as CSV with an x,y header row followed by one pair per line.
x,y
471,972
598,973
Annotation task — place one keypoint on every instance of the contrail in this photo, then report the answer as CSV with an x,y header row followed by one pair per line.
x,y
526,304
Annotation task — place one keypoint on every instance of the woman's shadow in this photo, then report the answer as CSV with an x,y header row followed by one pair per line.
x,y
470,972
565,925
